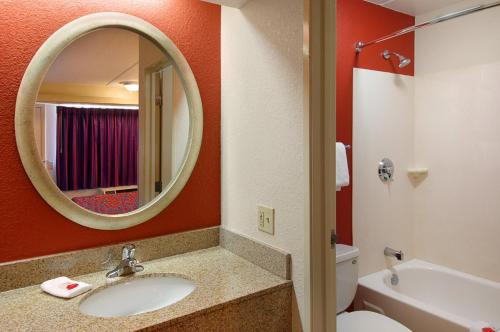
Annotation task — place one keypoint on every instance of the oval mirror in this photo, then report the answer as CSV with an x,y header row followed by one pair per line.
x,y
108,121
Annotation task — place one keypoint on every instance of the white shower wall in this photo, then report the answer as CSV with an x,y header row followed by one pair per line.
x,y
457,136
453,217
382,128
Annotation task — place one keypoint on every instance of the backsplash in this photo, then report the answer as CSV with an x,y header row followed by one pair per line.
x,y
32,271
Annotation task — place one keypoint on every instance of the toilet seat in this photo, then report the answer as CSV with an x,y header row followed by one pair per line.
x,y
367,321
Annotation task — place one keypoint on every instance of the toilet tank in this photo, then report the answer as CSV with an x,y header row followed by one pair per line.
x,y
347,275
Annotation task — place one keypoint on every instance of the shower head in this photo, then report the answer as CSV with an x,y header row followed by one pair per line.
x,y
403,61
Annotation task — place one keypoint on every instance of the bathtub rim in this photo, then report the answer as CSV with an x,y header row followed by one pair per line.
x,y
375,282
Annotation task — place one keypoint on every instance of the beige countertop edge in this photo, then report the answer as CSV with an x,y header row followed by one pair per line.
x,y
204,311
222,279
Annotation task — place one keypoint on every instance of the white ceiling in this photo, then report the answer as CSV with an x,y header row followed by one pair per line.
x,y
229,3
414,7
98,58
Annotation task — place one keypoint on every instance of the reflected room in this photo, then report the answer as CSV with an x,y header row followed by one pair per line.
x,y
111,121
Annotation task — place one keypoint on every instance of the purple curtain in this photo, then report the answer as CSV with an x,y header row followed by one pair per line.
x,y
96,147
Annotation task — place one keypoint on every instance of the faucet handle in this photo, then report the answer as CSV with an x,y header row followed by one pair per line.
x,y
128,251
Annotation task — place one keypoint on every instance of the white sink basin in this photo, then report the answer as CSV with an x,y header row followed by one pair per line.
x,y
137,296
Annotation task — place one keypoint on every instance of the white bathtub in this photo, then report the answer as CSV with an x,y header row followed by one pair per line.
x,y
431,298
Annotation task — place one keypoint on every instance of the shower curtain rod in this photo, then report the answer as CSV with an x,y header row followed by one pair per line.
x,y
360,45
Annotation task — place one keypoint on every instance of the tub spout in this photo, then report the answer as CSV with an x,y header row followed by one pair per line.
x,y
389,252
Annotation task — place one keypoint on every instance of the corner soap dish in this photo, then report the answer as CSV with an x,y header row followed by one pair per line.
x,y
417,175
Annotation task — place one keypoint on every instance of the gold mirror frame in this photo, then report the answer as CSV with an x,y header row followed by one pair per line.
x,y
27,96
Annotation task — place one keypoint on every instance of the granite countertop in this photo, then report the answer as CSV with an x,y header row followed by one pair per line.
x,y
221,278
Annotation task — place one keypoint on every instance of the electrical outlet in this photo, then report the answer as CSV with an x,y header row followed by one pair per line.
x,y
266,219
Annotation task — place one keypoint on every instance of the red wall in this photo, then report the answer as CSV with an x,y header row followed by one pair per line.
x,y
28,226
359,20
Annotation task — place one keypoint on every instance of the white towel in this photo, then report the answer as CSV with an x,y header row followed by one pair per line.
x,y
65,287
478,326
341,166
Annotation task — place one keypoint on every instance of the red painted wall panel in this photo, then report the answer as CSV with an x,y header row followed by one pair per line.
x,y
359,20
28,226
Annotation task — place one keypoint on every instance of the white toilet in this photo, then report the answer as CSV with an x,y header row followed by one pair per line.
x,y
347,283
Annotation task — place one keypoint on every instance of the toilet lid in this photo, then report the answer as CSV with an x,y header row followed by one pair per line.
x,y
361,321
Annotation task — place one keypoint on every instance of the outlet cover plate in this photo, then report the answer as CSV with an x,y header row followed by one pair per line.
x,y
265,219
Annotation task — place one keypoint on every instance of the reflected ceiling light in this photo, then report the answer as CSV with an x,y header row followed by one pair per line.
x,y
131,86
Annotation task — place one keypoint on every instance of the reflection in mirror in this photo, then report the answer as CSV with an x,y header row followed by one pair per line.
x,y
111,121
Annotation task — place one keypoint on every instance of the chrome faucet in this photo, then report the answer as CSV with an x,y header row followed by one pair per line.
x,y
128,264
389,252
